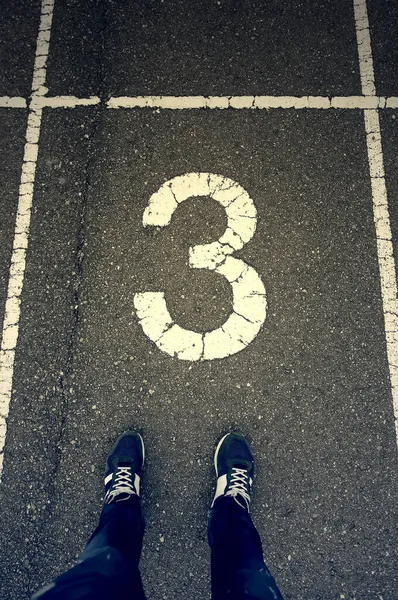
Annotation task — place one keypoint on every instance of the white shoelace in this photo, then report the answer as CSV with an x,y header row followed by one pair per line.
x,y
123,485
238,485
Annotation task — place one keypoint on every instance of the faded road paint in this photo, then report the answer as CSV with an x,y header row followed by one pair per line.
x,y
249,299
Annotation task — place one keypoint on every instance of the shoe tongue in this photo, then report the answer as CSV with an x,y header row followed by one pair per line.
x,y
240,466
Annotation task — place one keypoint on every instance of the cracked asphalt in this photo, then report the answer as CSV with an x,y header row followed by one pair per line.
x,y
311,391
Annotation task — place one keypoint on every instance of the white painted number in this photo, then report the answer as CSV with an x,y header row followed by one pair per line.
x,y
249,302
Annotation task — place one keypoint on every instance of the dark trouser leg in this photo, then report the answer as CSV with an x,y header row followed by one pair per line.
x,y
108,567
238,571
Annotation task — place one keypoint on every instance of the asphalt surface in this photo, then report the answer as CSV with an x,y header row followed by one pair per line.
x,y
389,128
311,391
12,142
222,48
18,32
383,16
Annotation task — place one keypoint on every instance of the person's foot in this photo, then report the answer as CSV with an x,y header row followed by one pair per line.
x,y
234,464
123,468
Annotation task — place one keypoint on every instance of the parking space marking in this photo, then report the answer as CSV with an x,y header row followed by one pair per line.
x,y
253,102
381,215
12,102
22,225
210,102
249,301
369,102
64,101
364,48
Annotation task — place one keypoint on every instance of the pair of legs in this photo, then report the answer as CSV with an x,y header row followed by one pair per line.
x,y
109,565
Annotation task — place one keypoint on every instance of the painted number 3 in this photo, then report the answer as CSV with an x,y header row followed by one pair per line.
x,y
249,301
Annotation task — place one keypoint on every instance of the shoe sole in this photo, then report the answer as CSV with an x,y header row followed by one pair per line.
x,y
143,448
218,450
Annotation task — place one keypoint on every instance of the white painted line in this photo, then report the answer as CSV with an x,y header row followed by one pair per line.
x,y
252,102
364,48
9,102
380,203
392,102
358,102
249,301
211,102
63,101
21,234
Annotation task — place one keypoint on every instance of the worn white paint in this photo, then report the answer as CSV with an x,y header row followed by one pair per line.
x,y
253,102
380,204
12,102
21,234
364,48
63,101
249,302
213,102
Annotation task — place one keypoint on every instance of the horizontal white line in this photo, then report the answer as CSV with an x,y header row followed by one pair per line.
x,y
212,102
9,102
253,102
63,101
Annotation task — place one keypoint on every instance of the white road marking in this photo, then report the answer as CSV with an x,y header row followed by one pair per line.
x,y
364,48
211,102
12,102
380,203
249,302
253,102
64,101
21,234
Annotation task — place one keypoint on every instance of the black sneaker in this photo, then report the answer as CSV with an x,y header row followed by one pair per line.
x,y
234,464
123,468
